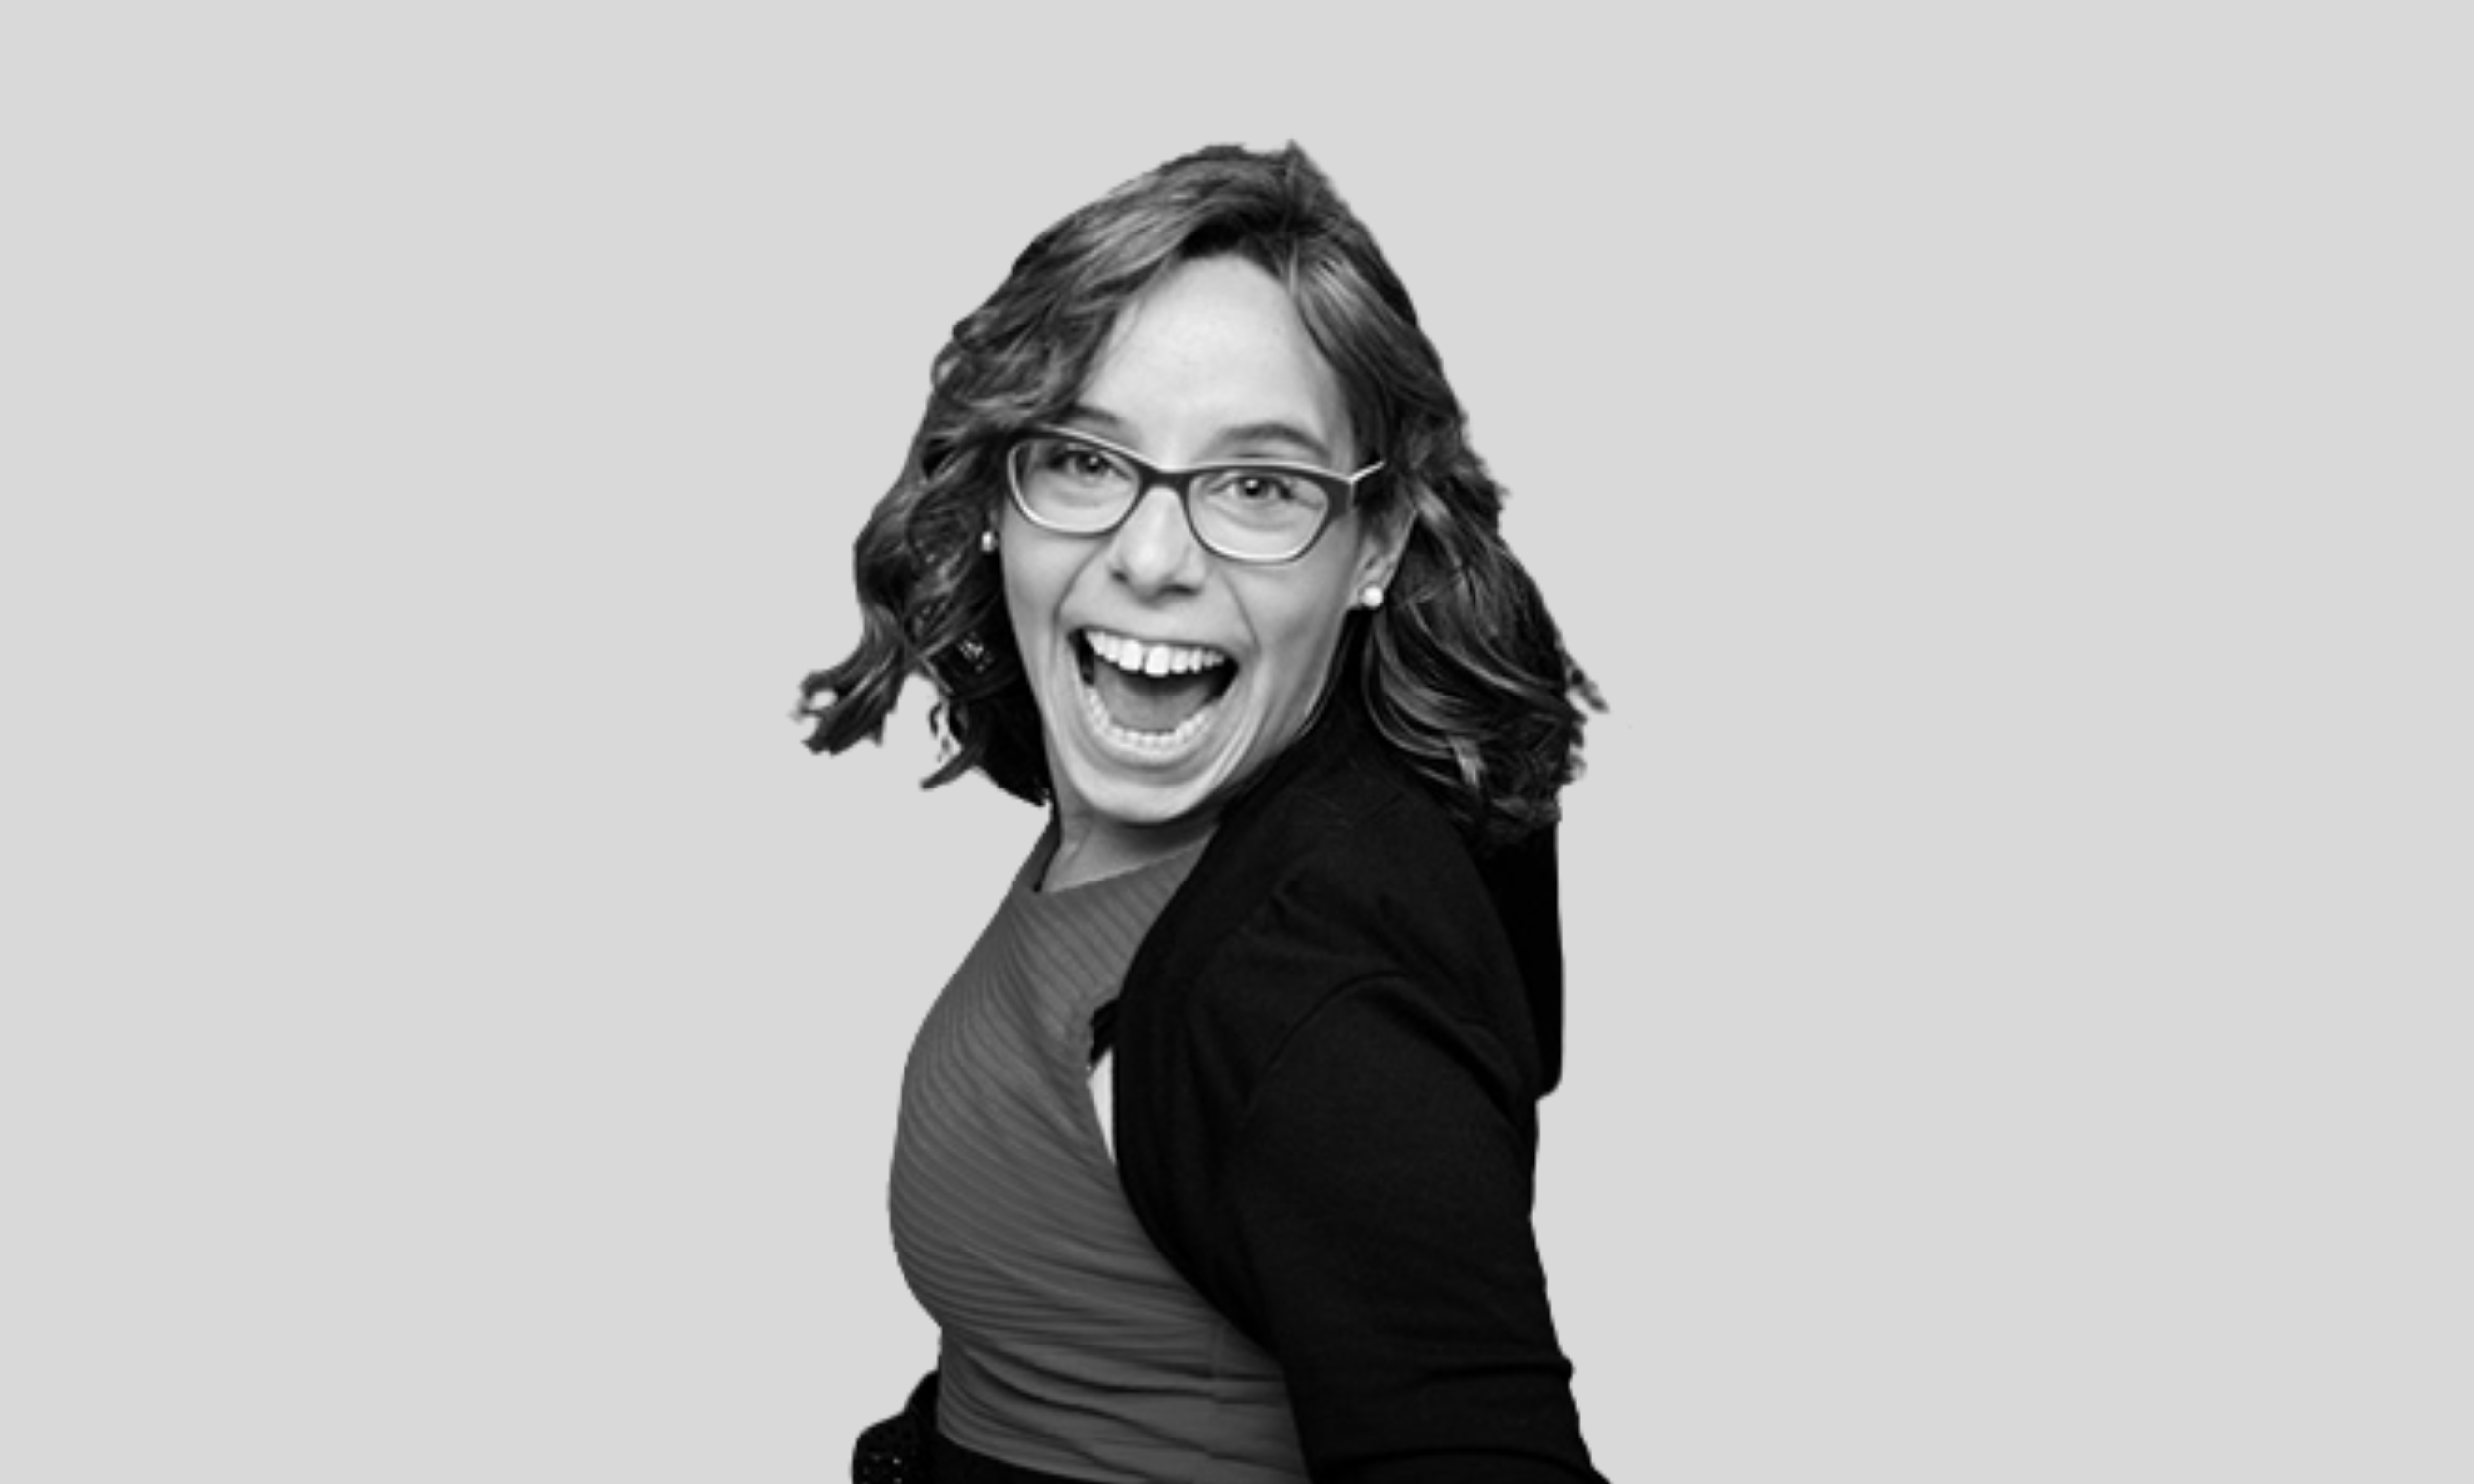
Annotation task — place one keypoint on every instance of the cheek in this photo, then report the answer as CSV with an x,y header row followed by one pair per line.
x,y
1300,631
1032,587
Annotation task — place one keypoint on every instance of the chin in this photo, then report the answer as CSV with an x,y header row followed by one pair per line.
x,y
1149,794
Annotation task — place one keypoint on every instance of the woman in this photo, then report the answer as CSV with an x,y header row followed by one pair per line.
x,y
1215,1155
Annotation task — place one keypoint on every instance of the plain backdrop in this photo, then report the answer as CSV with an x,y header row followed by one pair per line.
x,y
2009,475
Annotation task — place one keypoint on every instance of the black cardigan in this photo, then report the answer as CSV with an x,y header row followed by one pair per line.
x,y
1331,1045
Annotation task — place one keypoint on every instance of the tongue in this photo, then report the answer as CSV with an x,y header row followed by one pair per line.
x,y
1153,702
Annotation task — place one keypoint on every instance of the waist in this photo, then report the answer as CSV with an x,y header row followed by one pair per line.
x,y
1091,1415
956,1464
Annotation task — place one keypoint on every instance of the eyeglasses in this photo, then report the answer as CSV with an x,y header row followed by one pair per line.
x,y
1249,511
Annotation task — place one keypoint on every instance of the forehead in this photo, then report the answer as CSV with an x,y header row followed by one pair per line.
x,y
1214,348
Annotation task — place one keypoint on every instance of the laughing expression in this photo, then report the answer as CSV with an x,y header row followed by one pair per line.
x,y
1166,676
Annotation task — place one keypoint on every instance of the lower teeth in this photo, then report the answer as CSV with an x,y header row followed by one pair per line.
x,y
1166,741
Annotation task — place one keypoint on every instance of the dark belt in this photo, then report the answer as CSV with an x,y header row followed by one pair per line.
x,y
906,1449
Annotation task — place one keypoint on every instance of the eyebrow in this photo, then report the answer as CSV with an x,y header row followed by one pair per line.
x,y
1243,435
1256,435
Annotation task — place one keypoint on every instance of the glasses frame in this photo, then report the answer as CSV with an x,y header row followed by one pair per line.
x,y
1342,487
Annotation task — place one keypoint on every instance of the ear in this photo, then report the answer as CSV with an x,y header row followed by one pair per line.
x,y
1381,539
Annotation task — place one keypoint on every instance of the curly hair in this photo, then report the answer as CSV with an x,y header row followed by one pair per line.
x,y
1460,671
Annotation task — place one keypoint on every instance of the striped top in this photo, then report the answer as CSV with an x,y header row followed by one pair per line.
x,y
1069,1345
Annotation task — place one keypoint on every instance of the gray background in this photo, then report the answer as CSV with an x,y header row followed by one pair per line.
x,y
2008,476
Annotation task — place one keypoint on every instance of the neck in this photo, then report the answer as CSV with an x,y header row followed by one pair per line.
x,y
1094,850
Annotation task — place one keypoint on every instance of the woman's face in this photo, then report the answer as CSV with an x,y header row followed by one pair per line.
x,y
1213,362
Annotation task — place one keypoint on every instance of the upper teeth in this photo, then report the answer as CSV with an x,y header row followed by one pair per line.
x,y
1151,659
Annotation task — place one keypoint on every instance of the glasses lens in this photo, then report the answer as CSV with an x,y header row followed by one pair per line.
x,y
1258,512
1073,486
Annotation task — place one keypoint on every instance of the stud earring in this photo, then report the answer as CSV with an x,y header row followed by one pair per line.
x,y
988,543
1370,596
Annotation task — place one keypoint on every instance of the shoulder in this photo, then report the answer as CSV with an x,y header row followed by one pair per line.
x,y
1340,874
1336,933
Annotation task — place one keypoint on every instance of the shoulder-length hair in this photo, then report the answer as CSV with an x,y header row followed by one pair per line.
x,y
1461,669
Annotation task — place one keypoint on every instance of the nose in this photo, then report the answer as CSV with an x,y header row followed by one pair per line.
x,y
1155,550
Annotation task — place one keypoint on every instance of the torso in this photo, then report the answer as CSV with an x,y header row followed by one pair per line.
x,y
1069,1344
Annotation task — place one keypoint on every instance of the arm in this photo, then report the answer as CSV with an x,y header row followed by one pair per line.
x,y
1377,1200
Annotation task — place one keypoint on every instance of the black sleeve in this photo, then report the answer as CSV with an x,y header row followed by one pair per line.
x,y
900,1450
1377,1200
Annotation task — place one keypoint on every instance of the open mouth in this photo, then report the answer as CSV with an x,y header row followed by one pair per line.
x,y
1151,694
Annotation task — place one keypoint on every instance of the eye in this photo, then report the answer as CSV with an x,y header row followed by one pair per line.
x,y
1079,463
1256,487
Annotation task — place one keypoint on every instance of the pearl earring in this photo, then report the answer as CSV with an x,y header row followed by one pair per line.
x,y
988,543
1370,596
